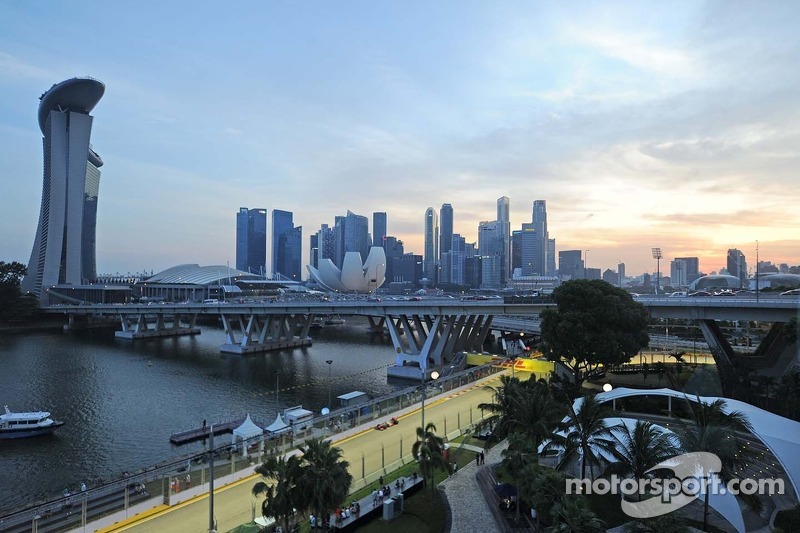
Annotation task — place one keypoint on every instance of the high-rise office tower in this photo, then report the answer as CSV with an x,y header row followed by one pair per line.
x,y
393,248
458,253
530,242
504,229
737,265
431,256
286,245
692,268
351,235
677,273
379,229
282,222
570,264
516,250
551,257
445,228
326,244
621,273
313,258
64,246
251,240
540,226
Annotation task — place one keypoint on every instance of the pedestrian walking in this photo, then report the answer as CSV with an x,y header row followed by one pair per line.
x,y
483,458
374,497
478,458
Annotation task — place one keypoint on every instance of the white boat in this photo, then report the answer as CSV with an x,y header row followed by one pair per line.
x,y
18,425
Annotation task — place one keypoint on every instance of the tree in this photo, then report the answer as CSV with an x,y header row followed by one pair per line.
x,y
283,496
667,523
428,450
14,305
716,431
534,414
586,434
546,488
572,515
594,325
502,406
324,479
639,450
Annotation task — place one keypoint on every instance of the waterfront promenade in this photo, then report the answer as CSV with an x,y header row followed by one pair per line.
x,y
370,453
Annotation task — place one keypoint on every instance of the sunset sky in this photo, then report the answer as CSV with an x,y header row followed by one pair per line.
x,y
641,124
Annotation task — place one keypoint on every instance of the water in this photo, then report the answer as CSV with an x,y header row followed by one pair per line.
x,y
121,401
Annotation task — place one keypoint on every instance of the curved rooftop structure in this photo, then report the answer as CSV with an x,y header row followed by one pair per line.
x,y
716,281
782,280
75,94
199,275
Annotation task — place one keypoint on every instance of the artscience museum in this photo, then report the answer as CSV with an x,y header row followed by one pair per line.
x,y
353,277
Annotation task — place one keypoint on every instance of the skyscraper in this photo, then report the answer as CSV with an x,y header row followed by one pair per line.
x,y
379,229
351,234
64,246
286,245
539,219
458,252
445,228
737,265
251,240
570,264
504,231
431,257
692,268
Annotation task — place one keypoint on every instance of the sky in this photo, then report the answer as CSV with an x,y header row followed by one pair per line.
x,y
642,124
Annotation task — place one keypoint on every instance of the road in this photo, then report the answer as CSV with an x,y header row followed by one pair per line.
x,y
234,505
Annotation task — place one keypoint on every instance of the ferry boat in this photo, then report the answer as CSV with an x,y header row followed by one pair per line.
x,y
18,425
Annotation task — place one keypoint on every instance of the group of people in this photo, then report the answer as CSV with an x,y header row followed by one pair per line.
x,y
480,458
381,493
353,510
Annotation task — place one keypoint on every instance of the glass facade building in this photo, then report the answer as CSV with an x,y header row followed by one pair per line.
x,y
251,240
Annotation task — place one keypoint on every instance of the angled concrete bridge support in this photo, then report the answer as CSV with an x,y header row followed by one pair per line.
x,y
145,326
423,342
252,333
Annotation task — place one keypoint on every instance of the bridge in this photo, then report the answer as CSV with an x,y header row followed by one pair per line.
x,y
425,333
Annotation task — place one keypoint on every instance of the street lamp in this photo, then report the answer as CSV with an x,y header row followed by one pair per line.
x,y
657,256
585,263
330,365
434,377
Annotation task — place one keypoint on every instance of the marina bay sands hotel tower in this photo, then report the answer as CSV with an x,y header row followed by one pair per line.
x,y
64,246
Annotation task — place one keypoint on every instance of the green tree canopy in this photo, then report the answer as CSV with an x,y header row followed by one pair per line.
x,y
14,306
594,325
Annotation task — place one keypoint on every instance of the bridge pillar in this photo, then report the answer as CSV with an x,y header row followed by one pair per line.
x,y
424,343
141,326
252,333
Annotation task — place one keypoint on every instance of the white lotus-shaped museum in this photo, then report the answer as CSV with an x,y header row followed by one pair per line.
x,y
353,277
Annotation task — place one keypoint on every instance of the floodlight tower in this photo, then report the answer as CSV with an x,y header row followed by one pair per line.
x,y
657,256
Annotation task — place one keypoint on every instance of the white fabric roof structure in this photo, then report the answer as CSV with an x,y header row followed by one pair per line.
x,y
247,430
780,435
194,274
279,426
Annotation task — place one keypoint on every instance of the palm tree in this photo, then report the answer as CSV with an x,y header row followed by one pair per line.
x,y
428,450
716,431
502,406
639,450
667,523
324,479
283,496
534,414
586,433
572,515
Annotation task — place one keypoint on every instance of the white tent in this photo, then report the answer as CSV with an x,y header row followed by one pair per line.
x,y
248,430
279,426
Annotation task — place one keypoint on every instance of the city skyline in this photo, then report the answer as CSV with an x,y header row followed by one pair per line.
x,y
679,133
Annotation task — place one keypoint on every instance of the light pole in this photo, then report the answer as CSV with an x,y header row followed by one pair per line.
x,y
657,256
757,296
330,365
211,522
434,377
585,264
